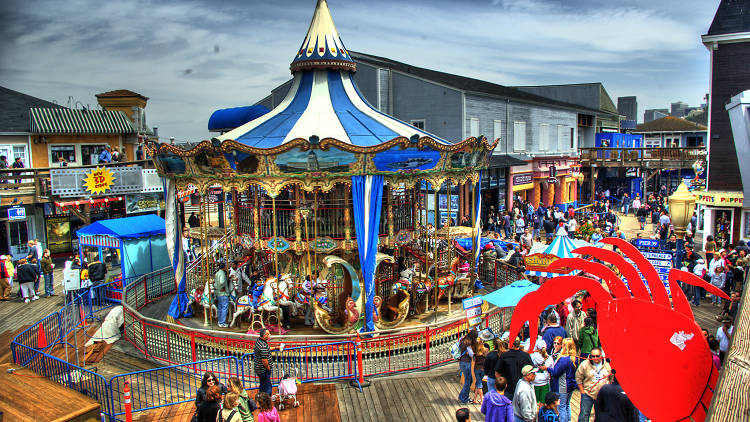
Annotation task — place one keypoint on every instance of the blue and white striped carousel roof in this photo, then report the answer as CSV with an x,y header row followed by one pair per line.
x,y
323,100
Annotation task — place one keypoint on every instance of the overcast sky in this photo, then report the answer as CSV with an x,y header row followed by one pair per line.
x,y
193,57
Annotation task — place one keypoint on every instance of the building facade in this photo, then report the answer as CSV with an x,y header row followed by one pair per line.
x,y
628,107
721,206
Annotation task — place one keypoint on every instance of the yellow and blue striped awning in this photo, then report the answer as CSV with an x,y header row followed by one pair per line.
x,y
67,120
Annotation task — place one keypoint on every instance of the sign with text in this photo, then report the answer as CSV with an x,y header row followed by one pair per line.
x,y
646,243
522,179
662,262
16,213
472,302
144,202
70,182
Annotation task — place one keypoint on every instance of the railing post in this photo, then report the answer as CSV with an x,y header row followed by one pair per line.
x,y
427,345
360,380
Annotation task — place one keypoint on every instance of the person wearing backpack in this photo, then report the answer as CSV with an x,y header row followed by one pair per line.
x,y
230,412
588,337
466,347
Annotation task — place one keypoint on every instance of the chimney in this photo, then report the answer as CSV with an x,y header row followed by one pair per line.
x,y
156,132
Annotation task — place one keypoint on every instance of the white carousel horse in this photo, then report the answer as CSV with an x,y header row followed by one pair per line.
x,y
274,295
200,296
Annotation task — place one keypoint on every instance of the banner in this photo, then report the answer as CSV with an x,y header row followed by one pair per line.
x,y
144,202
58,234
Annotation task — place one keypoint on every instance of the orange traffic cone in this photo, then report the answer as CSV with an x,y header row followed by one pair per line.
x,y
41,341
83,316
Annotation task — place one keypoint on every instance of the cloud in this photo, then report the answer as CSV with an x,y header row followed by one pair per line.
x,y
650,49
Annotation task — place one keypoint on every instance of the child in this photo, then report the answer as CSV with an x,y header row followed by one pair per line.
x,y
267,412
718,279
257,292
549,412
478,363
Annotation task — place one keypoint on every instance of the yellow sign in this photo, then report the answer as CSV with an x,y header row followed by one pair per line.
x,y
98,181
719,199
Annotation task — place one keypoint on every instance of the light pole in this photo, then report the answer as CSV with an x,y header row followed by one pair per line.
x,y
681,206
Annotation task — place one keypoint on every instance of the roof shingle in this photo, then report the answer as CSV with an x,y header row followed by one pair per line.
x,y
14,112
670,124
731,17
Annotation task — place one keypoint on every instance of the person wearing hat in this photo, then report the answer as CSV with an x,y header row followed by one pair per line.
x,y
549,412
613,404
221,291
524,399
723,334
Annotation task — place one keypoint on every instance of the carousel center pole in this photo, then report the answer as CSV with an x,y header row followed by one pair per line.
x,y
435,287
315,235
276,260
474,245
450,245
205,250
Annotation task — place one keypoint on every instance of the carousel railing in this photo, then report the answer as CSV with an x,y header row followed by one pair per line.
x,y
391,351
193,272
499,273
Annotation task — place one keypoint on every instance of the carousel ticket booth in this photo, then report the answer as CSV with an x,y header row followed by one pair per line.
x,y
328,191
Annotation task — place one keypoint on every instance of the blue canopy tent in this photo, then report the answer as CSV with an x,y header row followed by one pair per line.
x,y
140,239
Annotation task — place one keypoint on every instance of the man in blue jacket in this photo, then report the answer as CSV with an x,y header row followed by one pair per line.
x,y
552,330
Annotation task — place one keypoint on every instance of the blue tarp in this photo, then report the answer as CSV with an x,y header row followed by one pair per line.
x,y
126,228
465,242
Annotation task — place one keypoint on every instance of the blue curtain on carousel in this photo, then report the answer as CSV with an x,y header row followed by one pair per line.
x,y
367,196
178,307
478,226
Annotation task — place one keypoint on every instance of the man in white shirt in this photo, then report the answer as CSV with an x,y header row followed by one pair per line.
x,y
722,335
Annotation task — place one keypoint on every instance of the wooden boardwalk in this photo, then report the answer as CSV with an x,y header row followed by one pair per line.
x,y
318,402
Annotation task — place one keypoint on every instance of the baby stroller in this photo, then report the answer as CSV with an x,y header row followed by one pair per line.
x,y
288,389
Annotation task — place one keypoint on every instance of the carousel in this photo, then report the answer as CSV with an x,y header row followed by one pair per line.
x,y
331,209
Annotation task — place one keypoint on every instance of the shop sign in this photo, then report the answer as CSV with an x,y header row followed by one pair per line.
x,y
473,309
58,234
98,180
540,262
70,182
719,198
551,180
215,195
144,202
184,195
522,179
16,213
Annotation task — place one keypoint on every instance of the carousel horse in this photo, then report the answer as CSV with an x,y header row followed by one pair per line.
x,y
274,295
200,296
309,291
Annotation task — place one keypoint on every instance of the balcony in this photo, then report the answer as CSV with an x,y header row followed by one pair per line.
x,y
642,157
33,185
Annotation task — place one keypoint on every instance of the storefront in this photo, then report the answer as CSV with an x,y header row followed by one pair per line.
x,y
61,221
721,215
556,181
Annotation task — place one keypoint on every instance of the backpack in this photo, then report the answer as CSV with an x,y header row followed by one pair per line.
x,y
220,418
456,350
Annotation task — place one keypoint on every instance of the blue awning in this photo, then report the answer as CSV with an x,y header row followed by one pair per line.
x,y
126,228
230,118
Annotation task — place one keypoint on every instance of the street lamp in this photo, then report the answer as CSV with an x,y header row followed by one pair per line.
x,y
681,206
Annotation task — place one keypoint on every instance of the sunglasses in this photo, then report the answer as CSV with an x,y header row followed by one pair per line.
x,y
595,356
210,380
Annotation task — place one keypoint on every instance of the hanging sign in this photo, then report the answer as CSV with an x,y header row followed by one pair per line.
x,y
472,302
646,243
473,309
98,181
184,195
144,202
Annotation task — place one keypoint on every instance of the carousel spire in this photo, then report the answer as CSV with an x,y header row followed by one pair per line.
x,y
322,47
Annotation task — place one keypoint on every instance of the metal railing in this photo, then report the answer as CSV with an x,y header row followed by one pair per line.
x,y
641,155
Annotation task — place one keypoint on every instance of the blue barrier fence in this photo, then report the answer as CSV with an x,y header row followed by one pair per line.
x,y
167,385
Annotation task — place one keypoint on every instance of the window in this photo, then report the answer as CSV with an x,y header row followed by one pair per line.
x,y
11,152
474,127
90,153
19,235
65,152
652,142
519,136
560,137
497,129
572,139
419,124
543,137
